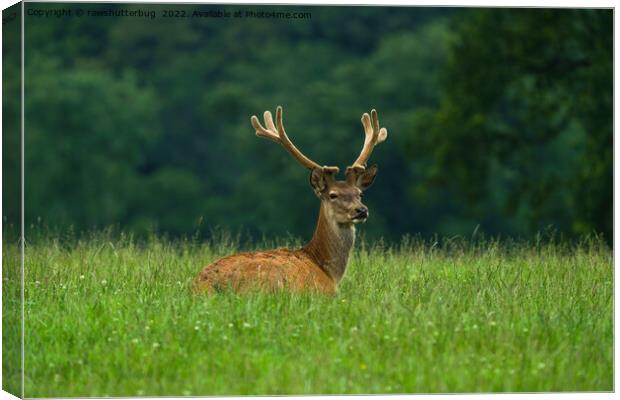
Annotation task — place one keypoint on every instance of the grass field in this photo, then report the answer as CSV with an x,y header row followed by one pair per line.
x,y
114,317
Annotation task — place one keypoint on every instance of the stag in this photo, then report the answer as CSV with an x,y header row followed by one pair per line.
x,y
321,263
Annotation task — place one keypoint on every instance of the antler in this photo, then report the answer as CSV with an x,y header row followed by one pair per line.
x,y
277,134
374,136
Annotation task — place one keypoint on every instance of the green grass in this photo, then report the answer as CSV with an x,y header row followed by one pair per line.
x,y
113,317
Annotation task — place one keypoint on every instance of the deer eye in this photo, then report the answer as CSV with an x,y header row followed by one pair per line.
x,y
333,195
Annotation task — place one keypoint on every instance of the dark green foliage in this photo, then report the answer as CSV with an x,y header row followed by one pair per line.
x,y
498,118
87,134
11,199
11,121
524,126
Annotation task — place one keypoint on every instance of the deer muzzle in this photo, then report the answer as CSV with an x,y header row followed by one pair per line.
x,y
361,214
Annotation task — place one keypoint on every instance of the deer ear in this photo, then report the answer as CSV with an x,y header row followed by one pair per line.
x,y
366,178
318,181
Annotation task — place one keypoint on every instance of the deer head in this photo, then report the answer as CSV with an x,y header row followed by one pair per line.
x,y
322,262
341,200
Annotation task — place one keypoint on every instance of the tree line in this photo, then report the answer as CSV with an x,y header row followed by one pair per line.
x,y
499,120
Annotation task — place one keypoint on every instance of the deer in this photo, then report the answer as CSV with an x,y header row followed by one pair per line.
x,y
320,265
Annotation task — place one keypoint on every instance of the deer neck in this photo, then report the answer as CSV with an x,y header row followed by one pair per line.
x,y
331,244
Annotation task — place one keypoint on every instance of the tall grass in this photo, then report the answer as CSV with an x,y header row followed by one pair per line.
x,y
109,315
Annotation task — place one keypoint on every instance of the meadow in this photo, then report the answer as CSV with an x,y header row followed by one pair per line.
x,y
108,315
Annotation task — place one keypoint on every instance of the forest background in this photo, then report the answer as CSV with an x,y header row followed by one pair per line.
x,y
499,120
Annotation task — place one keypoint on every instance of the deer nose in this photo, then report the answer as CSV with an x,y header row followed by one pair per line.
x,y
362,212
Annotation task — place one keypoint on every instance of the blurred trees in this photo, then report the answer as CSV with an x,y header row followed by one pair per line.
x,y
11,122
524,125
85,147
499,118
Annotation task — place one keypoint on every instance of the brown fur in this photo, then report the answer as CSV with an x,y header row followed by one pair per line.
x,y
320,264
266,270
317,267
